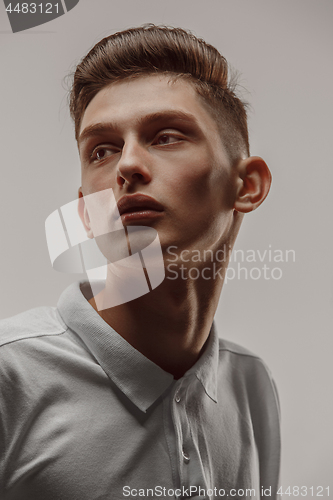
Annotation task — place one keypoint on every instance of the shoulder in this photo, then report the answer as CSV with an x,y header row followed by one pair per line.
x,y
249,372
227,345
29,353
240,356
38,322
249,387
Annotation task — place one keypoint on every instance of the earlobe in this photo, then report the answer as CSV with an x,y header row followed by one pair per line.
x,y
254,179
83,213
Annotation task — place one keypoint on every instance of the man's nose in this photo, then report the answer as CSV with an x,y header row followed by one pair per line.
x,y
133,166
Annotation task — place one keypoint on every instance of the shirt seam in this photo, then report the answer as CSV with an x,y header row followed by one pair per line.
x,y
249,355
32,337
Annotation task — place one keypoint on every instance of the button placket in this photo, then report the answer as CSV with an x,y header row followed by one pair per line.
x,y
178,398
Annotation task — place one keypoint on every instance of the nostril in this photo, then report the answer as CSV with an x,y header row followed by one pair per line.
x,y
121,180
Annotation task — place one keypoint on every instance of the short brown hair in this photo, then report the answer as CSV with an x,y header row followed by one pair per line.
x,y
154,49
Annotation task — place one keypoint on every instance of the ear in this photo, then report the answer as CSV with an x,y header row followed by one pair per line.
x,y
83,213
254,182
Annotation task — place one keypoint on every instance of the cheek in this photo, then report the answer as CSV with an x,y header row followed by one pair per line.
x,y
195,168
97,179
196,183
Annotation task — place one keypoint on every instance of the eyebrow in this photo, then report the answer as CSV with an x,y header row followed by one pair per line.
x,y
107,127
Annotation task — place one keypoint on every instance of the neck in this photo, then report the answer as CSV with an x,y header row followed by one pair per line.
x,y
171,324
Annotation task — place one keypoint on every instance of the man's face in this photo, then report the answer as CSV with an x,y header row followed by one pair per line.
x,y
155,137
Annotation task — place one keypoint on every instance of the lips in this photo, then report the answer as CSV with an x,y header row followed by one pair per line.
x,y
138,206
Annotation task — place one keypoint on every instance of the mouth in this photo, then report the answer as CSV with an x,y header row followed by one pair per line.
x,y
138,207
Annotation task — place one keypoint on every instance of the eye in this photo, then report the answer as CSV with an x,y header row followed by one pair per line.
x,y
167,139
102,152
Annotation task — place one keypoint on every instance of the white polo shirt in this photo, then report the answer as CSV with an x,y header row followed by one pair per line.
x,y
85,416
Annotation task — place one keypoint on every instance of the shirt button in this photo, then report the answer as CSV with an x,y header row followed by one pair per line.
x,y
185,457
177,398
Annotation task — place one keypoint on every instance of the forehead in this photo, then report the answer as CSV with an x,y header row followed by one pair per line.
x,y
127,102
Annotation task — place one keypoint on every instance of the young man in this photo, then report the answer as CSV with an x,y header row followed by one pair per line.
x,y
142,398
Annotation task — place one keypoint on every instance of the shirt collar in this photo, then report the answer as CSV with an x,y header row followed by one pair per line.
x,y
206,368
141,380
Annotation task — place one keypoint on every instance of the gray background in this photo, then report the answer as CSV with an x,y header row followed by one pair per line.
x,y
284,53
